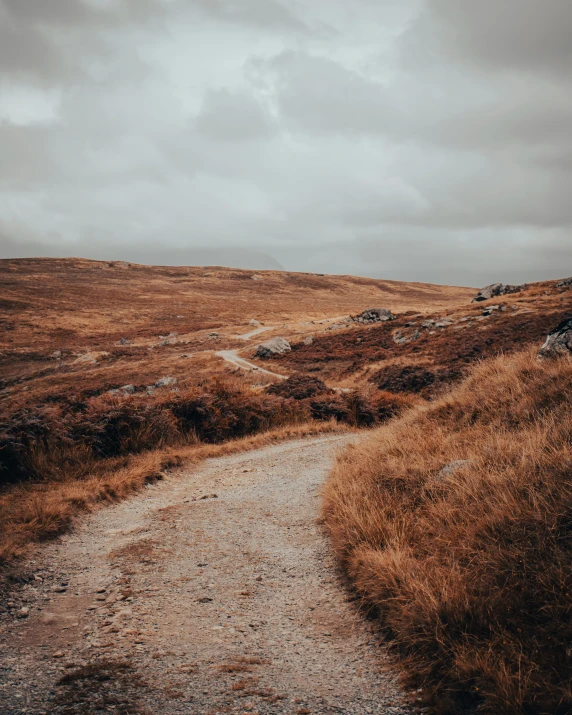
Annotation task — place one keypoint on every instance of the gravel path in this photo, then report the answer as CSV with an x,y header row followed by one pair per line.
x,y
210,592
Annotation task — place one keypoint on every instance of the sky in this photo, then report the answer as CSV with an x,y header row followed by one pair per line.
x,y
425,140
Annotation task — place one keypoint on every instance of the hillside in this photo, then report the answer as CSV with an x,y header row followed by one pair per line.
x,y
73,324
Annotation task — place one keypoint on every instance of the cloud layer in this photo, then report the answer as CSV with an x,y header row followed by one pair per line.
x,y
411,139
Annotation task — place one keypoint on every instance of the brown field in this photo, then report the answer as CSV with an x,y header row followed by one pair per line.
x,y
470,570
85,308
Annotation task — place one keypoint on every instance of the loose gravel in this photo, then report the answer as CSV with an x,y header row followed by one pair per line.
x,y
213,591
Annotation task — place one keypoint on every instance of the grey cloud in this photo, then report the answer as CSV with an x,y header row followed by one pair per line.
x,y
234,116
512,34
292,130
320,95
263,13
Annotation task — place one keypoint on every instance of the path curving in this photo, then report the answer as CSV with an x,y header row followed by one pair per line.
x,y
252,333
212,591
232,357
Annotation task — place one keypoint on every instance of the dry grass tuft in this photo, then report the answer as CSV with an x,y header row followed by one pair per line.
x,y
470,570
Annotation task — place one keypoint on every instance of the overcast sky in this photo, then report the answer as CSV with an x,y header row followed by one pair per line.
x,y
409,139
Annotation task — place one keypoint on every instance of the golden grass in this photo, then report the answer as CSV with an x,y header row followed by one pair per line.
x,y
34,512
471,572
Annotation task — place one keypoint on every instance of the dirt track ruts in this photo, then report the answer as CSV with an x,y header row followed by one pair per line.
x,y
221,604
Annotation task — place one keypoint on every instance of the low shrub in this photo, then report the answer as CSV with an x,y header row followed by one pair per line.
x,y
415,378
65,439
299,387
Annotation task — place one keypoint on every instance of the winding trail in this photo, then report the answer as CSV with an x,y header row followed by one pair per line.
x,y
247,336
212,591
232,357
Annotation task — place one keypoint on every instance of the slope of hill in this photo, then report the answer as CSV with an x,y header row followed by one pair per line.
x,y
73,324
454,523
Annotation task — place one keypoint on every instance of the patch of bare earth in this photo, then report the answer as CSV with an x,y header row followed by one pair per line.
x,y
210,592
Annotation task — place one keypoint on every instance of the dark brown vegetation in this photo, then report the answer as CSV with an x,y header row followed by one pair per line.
x,y
470,569
433,356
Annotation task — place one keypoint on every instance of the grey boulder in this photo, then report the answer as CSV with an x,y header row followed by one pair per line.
x,y
558,342
494,290
275,346
374,315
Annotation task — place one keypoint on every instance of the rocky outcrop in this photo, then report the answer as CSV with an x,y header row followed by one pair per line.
x,y
166,382
275,346
374,315
496,289
558,342
564,283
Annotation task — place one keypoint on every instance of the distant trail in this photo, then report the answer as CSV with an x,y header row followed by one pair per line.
x,y
247,336
232,357
215,590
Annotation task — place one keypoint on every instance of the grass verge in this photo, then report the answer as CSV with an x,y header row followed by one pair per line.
x,y
469,568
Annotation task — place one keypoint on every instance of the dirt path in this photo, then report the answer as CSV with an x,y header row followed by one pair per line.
x,y
257,331
180,601
232,357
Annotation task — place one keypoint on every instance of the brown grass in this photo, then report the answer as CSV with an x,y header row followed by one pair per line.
x,y
437,355
37,511
470,573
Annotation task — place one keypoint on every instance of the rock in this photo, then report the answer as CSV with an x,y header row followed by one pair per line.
x,y
443,323
496,289
128,389
166,382
90,358
171,339
564,283
23,613
374,315
401,337
125,341
214,335
275,346
448,470
255,323
558,342
490,309
308,340
453,467
56,355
